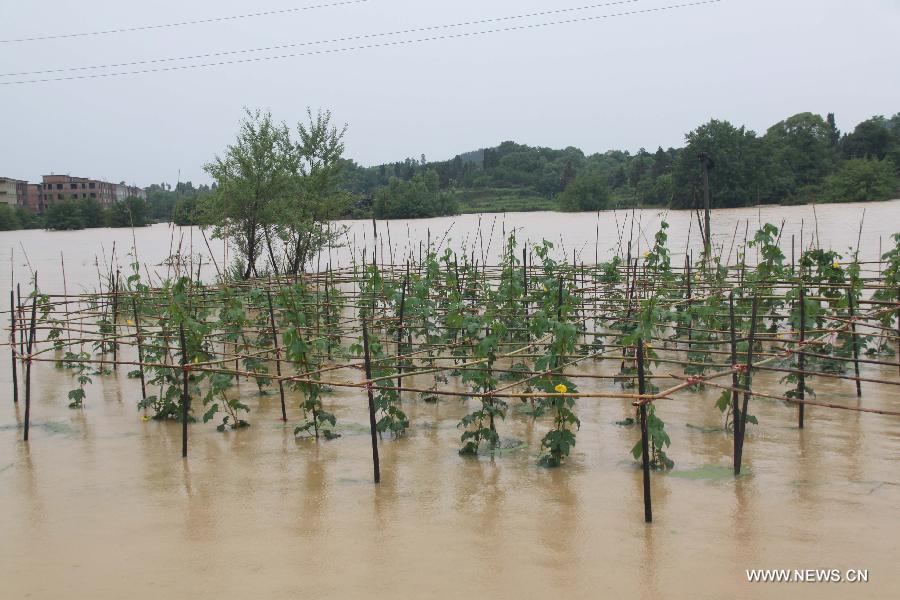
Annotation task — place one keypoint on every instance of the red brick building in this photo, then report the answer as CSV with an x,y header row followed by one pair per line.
x,y
60,188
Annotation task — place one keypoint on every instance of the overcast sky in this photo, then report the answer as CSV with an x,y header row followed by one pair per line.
x,y
622,82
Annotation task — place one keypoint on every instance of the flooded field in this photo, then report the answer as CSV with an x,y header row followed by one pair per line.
x,y
99,503
835,226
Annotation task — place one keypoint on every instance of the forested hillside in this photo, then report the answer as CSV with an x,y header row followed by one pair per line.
x,y
804,158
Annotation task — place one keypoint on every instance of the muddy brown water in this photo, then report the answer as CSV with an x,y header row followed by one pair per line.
x,y
99,503
589,235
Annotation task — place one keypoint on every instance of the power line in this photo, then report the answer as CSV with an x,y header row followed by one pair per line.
x,y
363,47
316,43
181,23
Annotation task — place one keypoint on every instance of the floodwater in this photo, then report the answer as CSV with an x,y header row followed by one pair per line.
x,y
99,504
590,235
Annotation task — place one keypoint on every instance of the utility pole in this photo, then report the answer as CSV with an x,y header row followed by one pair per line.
x,y
706,164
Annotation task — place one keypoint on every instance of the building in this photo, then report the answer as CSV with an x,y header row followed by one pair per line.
x,y
60,188
54,189
123,192
13,192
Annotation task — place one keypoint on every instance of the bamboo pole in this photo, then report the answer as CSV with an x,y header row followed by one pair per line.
x,y
277,355
140,348
645,442
12,346
747,379
854,342
372,428
185,393
29,347
801,358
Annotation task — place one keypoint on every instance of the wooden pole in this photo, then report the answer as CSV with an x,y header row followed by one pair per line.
x,y
368,362
115,318
735,409
854,342
140,346
400,334
559,300
29,347
277,354
185,394
12,346
747,379
645,438
707,234
801,358
21,320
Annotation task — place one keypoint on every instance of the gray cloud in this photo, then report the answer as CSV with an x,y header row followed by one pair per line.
x,y
624,82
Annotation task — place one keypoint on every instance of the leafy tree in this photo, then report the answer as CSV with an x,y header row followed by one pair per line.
x,y
92,213
736,180
9,220
303,217
252,176
132,212
860,179
834,136
28,219
800,153
414,199
64,216
587,192
184,212
875,138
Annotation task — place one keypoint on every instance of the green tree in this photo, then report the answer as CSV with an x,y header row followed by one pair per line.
x,y
737,178
9,220
418,198
92,213
184,212
587,192
253,175
860,179
64,216
304,216
28,219
800,154
131,212
873,138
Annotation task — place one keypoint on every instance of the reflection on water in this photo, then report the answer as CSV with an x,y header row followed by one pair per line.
x,y
100,504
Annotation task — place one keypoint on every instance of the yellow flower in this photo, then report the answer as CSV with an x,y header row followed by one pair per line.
x,y
561,388
145,418
545,287
130,322
836,265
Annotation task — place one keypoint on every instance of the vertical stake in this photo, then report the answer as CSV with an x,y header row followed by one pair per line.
x,y
525,285
368,363
751,339
278,352
645,441
735,409
28,361
140,346
801,358
185,395
12,346
115,317
21,320
854,341
400,334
